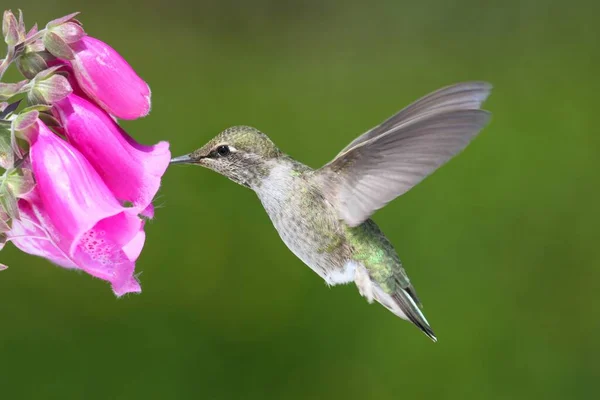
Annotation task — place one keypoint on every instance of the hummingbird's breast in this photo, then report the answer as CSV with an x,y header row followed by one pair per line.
x,y
306,222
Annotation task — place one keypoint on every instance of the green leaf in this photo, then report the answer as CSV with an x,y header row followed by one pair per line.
x,y
6,22
14,143
39,107
45,74
21,21
70,32
10,28
50,90
32,31
4,227
61,20
57,46
8,90
7,158
49,120
21,27
4,222
30,64
37,46
25,120
8,202
20,181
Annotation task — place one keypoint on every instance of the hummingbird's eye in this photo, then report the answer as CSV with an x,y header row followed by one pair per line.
x,y
223,150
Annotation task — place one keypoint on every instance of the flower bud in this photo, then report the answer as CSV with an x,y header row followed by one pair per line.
x,y
109,80
69,32
10,28
31,63
48,88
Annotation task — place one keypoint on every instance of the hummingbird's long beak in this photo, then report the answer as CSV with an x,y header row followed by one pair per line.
x,y
187,159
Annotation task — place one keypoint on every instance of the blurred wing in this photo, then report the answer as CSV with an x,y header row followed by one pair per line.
x,y
461,96
390,159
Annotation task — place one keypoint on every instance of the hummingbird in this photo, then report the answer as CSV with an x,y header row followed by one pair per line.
x,y
323,215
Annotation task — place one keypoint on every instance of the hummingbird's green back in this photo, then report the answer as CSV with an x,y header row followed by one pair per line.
x,y
371,248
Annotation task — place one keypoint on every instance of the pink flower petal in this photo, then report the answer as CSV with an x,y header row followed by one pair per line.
x,y
148,212
131,171
133,249
68,186
101,251
109,80
71,206
29,236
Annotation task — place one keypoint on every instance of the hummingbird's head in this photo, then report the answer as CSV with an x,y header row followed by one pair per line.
x,y
241,153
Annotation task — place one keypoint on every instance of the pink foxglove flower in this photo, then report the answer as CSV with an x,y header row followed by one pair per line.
x,y
109,80
73,219
76,202
130,170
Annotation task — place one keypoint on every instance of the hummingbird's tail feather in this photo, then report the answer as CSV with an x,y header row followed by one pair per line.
x,y
402,304
411,311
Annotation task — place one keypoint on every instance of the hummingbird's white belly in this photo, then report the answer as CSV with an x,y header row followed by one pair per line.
x,y
306,223
311,229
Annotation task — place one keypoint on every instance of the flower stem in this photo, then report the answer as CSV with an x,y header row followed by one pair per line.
x,y
10,56
15,51
33,38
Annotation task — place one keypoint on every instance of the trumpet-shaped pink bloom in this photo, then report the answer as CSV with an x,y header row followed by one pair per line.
x,y
77,195
30,236
131,171
109,80
73,219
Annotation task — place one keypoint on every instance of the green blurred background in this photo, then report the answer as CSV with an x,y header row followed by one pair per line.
x,y
501,243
